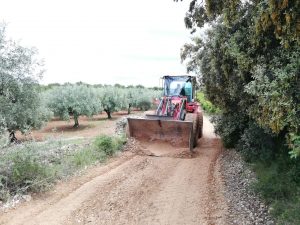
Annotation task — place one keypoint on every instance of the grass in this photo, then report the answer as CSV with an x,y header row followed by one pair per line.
x,y
35,167
206,105
279,184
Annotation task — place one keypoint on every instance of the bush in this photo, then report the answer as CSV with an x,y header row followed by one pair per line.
x,y
256,144
206,105
22,170
229,127
29,173
108,144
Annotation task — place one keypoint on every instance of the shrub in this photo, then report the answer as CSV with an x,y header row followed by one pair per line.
x,y
108,144
29,173
206,105
105,143
23,170
229,127
256,143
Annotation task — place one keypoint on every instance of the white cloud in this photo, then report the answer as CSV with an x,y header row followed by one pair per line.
x,y
127,42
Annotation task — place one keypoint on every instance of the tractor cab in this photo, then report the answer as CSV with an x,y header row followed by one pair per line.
x,y
178,98
179,86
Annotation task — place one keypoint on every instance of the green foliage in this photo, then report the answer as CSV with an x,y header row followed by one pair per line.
x,y
109,145
34,166
248,61
278,182
86,157
276,89
22,170
116,99
249,75
75,100
229,126
21,106
105,144
277,18
256,143
206,105
4,135
294,144
82,99
28,173
143,98
112,100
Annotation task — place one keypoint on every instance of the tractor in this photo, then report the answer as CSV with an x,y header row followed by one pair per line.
x,y
177,119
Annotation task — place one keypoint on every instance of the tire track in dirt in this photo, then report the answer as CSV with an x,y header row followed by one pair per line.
x,y
138,189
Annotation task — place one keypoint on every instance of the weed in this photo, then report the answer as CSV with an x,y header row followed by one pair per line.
x,y
85,157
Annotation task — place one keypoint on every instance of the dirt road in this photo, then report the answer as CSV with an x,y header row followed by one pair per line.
x,y
136,189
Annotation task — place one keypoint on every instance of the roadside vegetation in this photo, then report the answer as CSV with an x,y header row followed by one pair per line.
x,y
36,166
206,105
248,62
25,105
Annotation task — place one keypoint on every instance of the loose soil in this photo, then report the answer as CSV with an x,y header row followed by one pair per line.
x,y
137,188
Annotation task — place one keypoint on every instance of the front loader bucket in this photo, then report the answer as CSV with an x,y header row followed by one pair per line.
x,y
177,133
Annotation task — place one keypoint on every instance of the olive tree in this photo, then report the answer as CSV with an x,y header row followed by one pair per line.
x,y
112,100
21,105
73,100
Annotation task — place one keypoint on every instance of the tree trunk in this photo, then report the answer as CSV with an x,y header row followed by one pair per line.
x,y
76,120
108,113
129,109
12,137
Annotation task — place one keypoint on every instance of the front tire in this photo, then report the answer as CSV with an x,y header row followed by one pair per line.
x,y
200,119
182,115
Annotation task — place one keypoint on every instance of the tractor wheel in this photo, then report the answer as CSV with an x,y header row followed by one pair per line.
x,y
200,124
196,130
182,115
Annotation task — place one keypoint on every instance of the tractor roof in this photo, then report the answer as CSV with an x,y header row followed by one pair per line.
x,y
184,78
178,76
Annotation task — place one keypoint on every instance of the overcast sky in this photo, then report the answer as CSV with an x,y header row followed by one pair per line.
x,y
94,41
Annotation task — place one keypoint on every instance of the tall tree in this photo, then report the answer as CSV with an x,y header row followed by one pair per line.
x,y
249,63
21,106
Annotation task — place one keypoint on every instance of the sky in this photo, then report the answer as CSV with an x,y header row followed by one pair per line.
x,y
128,42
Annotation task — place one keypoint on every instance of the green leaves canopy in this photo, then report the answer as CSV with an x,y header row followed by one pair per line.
x,y
73,100
21,107
249,62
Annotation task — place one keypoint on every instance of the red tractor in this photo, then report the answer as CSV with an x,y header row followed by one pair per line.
x,y
178,118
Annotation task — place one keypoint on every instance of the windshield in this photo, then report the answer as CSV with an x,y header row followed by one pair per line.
x,y
175,88
174,85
